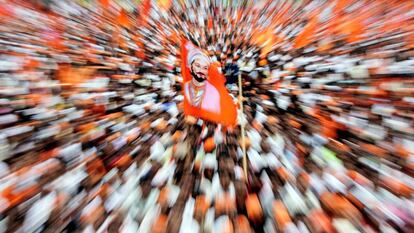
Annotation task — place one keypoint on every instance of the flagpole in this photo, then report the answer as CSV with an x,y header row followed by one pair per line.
x,y
242,128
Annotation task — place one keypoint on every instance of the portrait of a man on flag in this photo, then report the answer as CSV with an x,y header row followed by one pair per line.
x,y
205,94
199,91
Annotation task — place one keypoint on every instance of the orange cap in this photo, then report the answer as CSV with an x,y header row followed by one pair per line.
x,y
321,221
163,197
272,120
209,144
254,209
125,160
177,135
242,225
281,214
228,227
258,126
201,204
225,204
160,224
373,149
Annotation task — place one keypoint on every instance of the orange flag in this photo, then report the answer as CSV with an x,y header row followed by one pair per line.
x,y
205,95
303,38
210,23
123,19
144,11
104,3
353,29
340,6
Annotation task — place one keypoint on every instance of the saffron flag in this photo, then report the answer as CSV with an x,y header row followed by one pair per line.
x,y
205,95
104,3
123,19
144,9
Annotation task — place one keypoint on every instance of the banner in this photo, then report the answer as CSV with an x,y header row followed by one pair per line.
x,y
205,94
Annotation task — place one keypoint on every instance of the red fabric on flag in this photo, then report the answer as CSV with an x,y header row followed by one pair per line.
x,y
227,109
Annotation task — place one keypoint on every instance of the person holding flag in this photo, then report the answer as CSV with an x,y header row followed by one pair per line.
x,y
205,95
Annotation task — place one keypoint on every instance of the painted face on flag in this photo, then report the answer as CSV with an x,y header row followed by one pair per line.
x,y
199,69
199,64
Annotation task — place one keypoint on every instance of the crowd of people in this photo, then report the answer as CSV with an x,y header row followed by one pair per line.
x,y
93,137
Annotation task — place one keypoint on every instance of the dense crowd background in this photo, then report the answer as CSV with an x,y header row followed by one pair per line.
x,y
93,139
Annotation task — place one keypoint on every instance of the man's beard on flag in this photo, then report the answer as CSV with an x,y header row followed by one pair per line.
x,y
198,76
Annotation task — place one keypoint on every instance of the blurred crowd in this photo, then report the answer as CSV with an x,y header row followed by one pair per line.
x,y
93,139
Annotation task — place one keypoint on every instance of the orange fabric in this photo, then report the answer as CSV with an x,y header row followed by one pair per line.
x,y
242,225
360,179
123,161
355,201
373,149
209,145
69,75
340,6
353,29
281,214
228,227
401,151
104,3
328,128
160,225
397,187
87,127
325,47
281,171
254,209
228,112
113,116
5,12
225,204
131,137
23,195
163,197
177,135
272,120
321,222
96,170
144,12
266,39
32,64
201,204
258,126
123,19
210,23
303,38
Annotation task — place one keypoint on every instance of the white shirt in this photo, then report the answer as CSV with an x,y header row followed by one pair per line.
x,y
209,188
39,213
